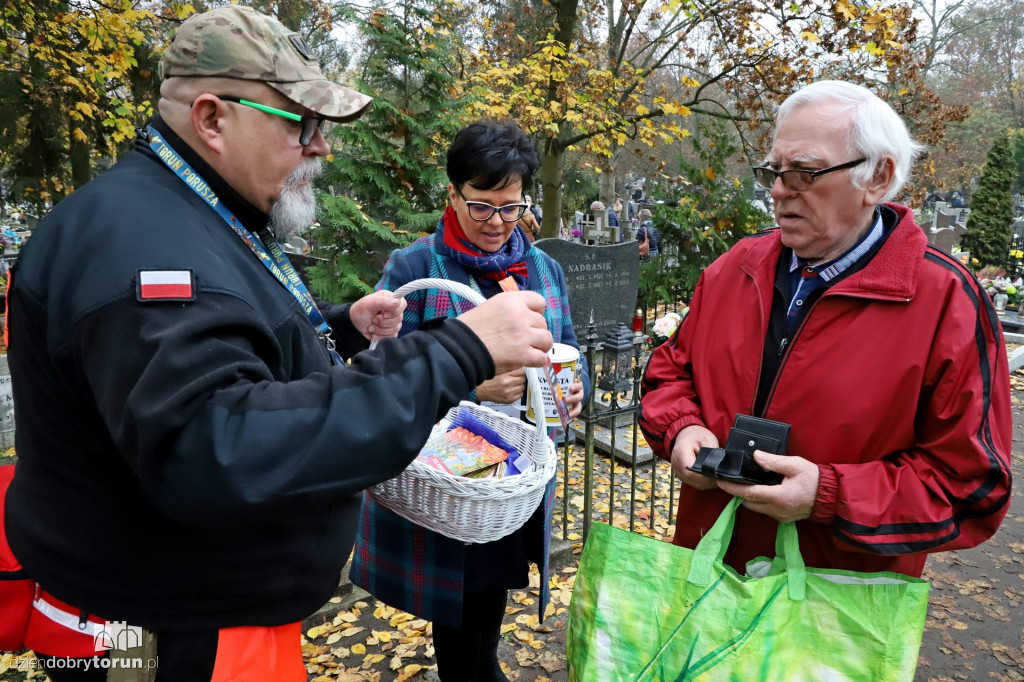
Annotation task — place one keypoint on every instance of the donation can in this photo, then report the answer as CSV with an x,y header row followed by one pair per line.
x,y
565,362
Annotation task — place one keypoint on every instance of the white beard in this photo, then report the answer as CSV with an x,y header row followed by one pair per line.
x,y
295,209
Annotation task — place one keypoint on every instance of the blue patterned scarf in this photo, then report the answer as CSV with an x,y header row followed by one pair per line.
x,y
450,240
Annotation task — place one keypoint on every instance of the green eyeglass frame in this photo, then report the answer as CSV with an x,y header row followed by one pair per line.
x,y
310,124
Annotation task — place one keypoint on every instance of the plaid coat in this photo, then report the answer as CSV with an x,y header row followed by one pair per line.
x,y
408,566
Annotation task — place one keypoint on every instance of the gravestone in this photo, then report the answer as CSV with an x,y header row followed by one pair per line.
x,y
958,231
597,230
947,231
6,406
943,219
601,280
942,238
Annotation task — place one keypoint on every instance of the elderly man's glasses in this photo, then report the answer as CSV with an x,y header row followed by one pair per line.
x,y
482,212
310,124
795,179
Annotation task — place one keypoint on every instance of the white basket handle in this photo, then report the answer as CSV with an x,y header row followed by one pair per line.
x,y
474,297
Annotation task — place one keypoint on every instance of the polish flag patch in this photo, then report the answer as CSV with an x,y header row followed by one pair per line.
x,y
166,285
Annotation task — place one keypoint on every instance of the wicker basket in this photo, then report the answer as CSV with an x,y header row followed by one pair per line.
x,y
468,509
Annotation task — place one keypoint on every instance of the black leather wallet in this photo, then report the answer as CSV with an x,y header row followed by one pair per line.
x,y
735,462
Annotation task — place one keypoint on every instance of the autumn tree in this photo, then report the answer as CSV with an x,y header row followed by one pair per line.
x,y
77,77
989,225
709,213
386,183
978,65
67,74
637,82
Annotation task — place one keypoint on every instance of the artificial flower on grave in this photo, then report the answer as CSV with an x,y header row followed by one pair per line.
x,y
665,326
994,281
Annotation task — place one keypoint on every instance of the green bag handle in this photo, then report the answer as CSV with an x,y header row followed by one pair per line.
x,y
712,547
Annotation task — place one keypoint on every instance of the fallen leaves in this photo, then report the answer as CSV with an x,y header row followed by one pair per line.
x,y
397,637
973,629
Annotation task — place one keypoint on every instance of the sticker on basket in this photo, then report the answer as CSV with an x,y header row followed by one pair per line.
x,y
508,284
556,392
521,464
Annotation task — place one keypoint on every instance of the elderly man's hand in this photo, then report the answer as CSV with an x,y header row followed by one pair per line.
x,y
684,454
378,315
791,500
512,326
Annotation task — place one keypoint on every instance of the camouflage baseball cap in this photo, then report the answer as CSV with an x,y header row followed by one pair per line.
x,y
239,42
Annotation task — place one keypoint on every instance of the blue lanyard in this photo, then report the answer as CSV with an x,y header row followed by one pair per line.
x,y
275,261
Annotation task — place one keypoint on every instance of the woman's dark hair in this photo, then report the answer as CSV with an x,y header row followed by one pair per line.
x,y
491,155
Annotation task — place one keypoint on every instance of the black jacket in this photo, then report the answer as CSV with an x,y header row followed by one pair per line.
x,y
187,465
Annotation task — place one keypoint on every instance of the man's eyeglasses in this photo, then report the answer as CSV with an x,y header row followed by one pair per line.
x,y
795,179
310,124
482,212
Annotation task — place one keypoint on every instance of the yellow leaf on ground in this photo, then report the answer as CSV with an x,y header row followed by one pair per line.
x,y
400,619
358,649
524,657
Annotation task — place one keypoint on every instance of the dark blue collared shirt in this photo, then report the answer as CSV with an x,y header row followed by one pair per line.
x,y
804,279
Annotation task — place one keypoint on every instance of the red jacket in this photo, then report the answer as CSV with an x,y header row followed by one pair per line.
x,y
896,384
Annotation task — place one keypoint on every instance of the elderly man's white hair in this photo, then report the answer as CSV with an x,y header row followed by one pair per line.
x,y
876,130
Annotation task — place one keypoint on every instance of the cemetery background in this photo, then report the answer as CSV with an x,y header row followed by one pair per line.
x,y
597,123
974,631
975,626
614,92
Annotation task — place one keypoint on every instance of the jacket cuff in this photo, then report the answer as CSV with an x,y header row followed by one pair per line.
x,y
673,430
347,339
827,498
464,346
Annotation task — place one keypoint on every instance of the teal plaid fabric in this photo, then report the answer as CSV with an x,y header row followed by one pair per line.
x,y
405,565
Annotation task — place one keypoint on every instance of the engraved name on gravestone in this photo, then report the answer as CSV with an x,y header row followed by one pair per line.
x,y
602,280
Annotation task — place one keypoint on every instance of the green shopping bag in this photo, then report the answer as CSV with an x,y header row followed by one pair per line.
x,y
648,610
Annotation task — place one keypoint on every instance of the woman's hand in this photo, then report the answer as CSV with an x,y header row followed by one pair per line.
x,y
574,399
504,388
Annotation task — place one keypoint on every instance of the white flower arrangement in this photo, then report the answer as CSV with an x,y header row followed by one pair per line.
x,y
666,326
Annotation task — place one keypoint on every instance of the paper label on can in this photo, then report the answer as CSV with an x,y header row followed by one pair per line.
x,y
564,375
